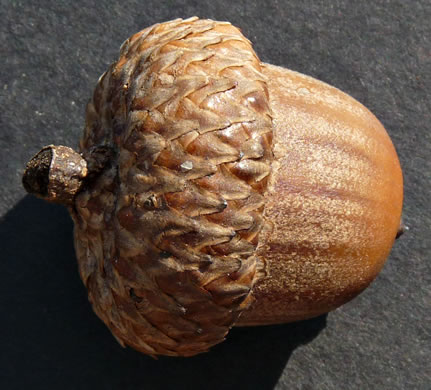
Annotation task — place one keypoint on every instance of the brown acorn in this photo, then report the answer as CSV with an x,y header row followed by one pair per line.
x,y
213,190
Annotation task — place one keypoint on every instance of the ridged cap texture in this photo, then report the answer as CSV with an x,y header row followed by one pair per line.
x,y
166,236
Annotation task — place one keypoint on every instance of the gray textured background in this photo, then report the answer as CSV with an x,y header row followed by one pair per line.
x,y
52,53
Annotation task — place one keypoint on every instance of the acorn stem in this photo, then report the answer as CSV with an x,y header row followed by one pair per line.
x,y
55,174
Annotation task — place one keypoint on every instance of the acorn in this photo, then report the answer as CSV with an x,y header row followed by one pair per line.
x,y
212,190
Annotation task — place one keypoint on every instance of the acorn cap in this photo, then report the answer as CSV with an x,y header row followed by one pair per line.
x,y
166,238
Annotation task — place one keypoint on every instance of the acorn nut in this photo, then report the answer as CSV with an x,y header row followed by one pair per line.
x,y
212,190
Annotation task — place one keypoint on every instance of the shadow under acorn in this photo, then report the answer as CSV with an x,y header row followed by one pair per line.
x,y
51,339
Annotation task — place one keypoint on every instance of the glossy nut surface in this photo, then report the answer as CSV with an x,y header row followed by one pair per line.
x,y
334,201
